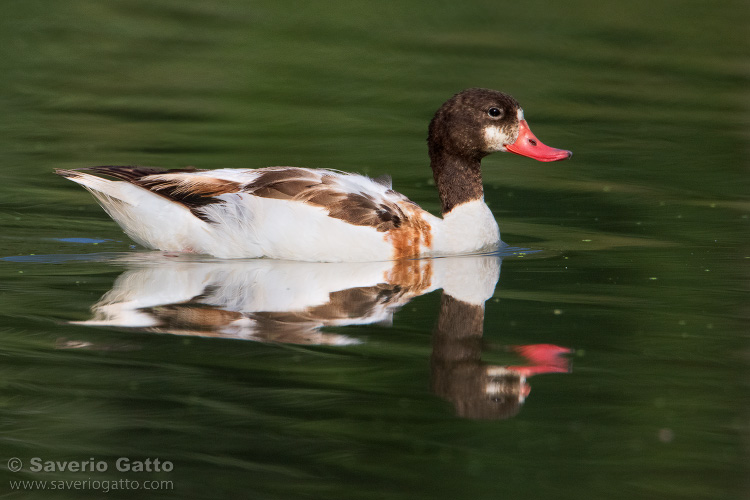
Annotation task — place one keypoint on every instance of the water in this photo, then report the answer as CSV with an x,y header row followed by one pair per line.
x,y
632,256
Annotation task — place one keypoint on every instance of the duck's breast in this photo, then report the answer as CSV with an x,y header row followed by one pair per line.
x,y
468,228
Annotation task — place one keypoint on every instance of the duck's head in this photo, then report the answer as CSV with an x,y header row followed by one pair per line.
x,y
477,122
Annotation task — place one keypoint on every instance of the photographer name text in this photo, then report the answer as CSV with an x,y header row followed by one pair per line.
x,y
122,464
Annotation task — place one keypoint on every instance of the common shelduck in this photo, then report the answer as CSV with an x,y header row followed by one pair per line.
x,y
325,215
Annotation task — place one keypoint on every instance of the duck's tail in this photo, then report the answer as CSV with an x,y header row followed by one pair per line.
x,y
149,219
113,196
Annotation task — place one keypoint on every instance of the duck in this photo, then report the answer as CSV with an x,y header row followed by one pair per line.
x,y
315,214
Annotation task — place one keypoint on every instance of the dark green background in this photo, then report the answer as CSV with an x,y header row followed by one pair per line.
x,y
643,237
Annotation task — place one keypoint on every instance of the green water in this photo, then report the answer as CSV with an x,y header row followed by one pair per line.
x,y
636,249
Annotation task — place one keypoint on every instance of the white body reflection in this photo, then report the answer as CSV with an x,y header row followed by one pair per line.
x,y
284,301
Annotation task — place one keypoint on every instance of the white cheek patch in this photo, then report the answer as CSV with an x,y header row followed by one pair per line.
x,y
495,139
520,114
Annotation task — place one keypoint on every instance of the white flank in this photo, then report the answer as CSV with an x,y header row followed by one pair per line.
x,y
250,226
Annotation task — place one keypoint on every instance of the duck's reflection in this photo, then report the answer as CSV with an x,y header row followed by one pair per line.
x,y
289,302
478,390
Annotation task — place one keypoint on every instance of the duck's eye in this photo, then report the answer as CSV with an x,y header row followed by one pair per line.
x,y
494,112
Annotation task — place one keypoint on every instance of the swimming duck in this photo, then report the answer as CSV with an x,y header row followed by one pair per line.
x,y
325,215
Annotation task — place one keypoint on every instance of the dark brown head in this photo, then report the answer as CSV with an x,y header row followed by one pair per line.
x,y
469,126
477,122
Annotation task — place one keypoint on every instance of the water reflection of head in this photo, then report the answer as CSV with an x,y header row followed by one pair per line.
x,y
476,390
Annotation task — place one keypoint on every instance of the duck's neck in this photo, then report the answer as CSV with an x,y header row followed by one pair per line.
x,y
458,178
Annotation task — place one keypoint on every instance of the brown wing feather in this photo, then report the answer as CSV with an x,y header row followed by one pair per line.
x,y
309,187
